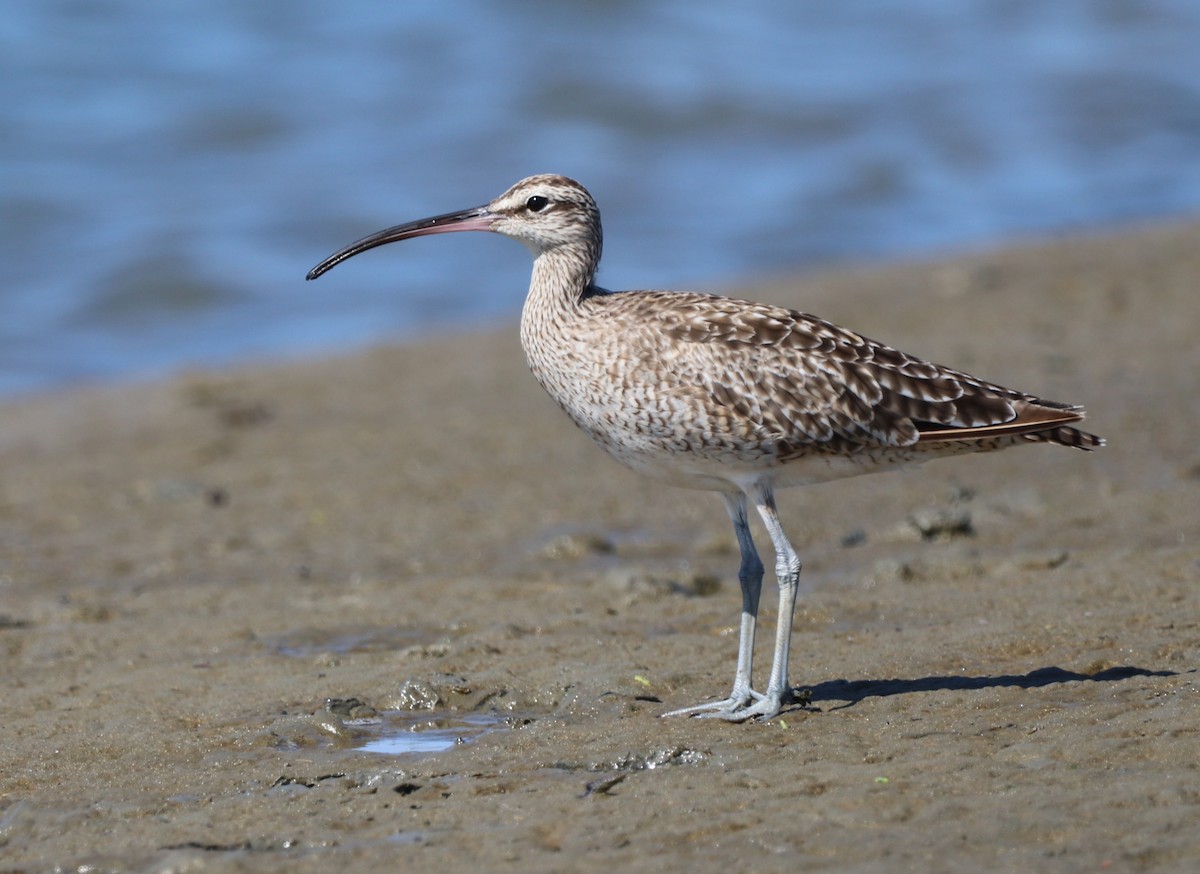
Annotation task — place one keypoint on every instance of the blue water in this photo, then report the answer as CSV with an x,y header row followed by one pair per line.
x,y
170,171
405,733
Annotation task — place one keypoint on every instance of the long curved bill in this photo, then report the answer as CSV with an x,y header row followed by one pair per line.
x,y
476,219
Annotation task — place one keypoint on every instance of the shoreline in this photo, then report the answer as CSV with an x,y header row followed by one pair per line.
x,y
191,567
754,287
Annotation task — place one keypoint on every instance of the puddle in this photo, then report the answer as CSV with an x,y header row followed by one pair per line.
x,y
399,733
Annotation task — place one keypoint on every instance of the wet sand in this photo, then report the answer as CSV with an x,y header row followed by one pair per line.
x,y
1001,650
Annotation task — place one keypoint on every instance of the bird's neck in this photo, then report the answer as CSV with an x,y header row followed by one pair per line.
x,y
562,280
562,277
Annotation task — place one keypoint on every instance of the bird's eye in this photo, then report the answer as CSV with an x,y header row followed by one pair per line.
x,y
537,203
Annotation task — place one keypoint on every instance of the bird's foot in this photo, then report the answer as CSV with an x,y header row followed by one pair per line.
x,y
737,701
766,707
741,707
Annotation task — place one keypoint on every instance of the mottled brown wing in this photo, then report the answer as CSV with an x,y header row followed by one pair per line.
x,y
810,381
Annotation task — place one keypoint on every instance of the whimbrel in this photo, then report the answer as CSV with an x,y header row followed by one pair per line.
x,y
726,395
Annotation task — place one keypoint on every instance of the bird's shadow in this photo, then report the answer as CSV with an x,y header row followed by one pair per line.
x,y
850,692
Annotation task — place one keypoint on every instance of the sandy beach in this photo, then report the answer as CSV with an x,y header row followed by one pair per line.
x,y
216,590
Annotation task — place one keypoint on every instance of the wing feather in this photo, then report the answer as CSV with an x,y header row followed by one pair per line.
x,y
805,381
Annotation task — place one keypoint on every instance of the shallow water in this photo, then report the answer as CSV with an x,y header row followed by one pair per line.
x,y
403,733
170,172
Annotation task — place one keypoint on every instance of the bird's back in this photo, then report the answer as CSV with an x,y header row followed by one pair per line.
x,y
697,389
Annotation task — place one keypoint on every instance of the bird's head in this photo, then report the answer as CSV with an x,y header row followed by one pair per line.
x,y
545,212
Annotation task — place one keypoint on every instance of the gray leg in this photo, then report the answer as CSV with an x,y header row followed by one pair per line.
x,y
750,575
787,573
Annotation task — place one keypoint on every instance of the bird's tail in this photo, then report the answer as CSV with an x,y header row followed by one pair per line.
x,y
1066,436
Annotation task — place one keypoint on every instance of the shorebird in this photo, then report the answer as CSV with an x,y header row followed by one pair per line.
x,y
726,395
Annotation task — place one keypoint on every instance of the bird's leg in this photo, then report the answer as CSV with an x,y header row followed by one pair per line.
x,y
787,573
750,575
